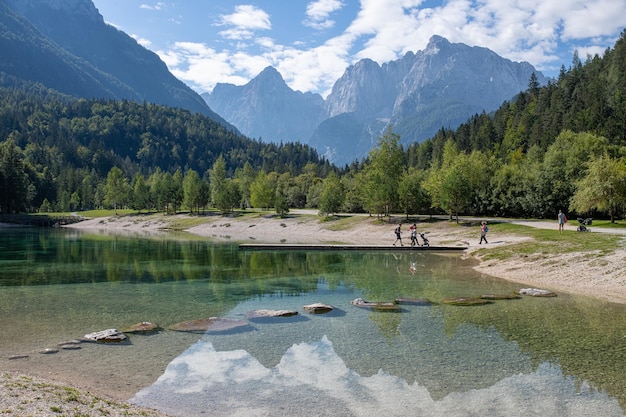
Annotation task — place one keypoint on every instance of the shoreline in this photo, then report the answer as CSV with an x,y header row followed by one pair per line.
x,y
573,273
600,277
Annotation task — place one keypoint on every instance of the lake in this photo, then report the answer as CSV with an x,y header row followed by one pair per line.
x,y
528,356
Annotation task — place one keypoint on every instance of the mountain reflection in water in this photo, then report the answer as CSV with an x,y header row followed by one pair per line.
x,y
311,379
340,366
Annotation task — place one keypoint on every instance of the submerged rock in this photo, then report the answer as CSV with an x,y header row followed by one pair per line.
x,y
106,336
210,325
466,301
500,296
318,308
144,327
536,292
413,301
261,314
14,357
375,305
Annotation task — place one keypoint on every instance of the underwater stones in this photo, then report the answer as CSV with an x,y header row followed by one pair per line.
x,y
375,305
262,314
536,292
106,336
69,345
15,357
500,297
210,325
413,301
144,327
466,301
318,308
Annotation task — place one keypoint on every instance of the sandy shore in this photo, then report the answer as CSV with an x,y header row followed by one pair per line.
x,y
599,276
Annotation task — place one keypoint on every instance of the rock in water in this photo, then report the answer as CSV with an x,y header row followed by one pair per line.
x,y
209,325
260,314
144,327
466,301
318,308
375,305
536,292
106,336
413,301
500,296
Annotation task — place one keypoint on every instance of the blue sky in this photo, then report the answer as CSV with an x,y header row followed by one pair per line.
x,y
312,42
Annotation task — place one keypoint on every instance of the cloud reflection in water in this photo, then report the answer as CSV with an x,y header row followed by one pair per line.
x,y
311,379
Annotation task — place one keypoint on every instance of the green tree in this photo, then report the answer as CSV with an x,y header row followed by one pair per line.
x,y
261,191
140,199
332,197
383,173
412,195
14,182
219,190
602,188
245,177
192,190
116,189
281,205
563,165
449,185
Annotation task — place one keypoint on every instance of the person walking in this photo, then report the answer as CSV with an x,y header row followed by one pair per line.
x,y
398,232
414,241
562,219
483,232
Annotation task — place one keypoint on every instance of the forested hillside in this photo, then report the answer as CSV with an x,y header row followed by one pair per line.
x,y
55,147
557,147
536,154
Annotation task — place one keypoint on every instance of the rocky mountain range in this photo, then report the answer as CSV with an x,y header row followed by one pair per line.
x,y
66,45
418,94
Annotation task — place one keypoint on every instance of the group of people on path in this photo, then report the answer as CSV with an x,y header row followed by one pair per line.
x,y
414,233
484,229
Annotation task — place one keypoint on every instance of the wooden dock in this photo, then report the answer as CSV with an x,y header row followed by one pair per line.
x,y
340,247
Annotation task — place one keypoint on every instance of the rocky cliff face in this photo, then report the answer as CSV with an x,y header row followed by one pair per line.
x,y
441,86
267,108
65,45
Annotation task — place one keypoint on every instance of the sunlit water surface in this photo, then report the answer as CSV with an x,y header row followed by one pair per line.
x,y
531,356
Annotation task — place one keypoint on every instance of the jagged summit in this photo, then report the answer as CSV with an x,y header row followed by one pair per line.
x,y
440,86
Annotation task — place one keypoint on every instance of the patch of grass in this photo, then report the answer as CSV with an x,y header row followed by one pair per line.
x,y
549,243
339,223
183,223
619,224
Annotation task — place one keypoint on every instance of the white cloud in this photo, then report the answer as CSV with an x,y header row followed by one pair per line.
x,y
142,41
157,6
236,383
318,13
247,17
538,31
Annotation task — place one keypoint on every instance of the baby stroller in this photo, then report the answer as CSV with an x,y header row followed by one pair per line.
x,y
583,223
425,239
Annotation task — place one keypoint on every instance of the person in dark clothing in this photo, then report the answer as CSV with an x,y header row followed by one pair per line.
x,y
398,232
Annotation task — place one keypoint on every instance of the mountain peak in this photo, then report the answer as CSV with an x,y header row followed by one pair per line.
x,y
270,73
435,44
74,7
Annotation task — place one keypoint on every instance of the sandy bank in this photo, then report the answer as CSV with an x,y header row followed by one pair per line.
x,y
602,277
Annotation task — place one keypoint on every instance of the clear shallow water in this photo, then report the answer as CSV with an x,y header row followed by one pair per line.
x,y
533,356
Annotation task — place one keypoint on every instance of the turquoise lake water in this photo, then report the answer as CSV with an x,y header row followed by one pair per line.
x,y
530,356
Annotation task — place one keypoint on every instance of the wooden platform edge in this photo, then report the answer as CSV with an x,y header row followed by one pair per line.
x,y
335,247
